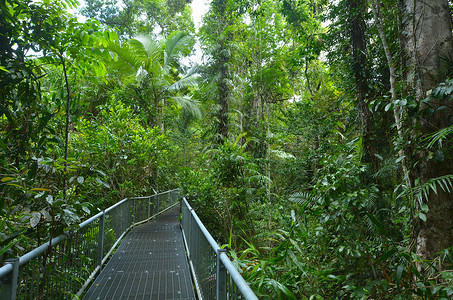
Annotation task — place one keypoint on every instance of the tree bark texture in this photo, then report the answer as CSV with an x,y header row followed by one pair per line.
x,y
224,94
220,8
429,47
360,67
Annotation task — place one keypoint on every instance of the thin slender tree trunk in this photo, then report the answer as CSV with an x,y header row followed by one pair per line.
x,y
66,143
224,94
429,45
359,50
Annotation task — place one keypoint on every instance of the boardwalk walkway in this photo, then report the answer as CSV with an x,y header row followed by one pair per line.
x,y
150,263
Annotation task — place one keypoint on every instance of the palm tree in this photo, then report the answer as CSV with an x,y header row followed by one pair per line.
x,y
157,71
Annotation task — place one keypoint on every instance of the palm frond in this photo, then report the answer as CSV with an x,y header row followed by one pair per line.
x,y
175,45
303,197
152,55
282,154
421,191
130,56
149,53
189,105
141,74
188,79
151,47
440,136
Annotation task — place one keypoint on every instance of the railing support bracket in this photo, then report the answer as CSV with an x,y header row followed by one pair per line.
x,y
221,277
9,285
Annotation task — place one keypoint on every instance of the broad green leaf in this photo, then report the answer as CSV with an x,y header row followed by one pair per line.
x,y
16,185
7,179
4,249
399,273
422,216
40,189
49,199
35,218
102,183
86,209
424,207
46,214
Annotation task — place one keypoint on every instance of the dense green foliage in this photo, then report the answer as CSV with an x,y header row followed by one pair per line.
x,y
285,138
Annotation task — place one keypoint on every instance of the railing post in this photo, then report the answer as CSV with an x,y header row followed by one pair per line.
x,y
148,207
221,277
9,285
127,217
134,212
101,239
157,205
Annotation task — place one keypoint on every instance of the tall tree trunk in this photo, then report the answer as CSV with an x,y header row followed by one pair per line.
x,y
429,44
397,110
224,94
359,50
222,58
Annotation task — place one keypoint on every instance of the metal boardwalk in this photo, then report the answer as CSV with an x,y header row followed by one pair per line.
x,y
150,263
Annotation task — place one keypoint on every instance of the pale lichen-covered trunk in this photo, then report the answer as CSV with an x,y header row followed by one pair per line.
x,y
397,110
429,48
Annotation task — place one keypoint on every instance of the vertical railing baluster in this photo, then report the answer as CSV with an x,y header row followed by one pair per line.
x,y
134,212
215,275
80,255
148,208
157,201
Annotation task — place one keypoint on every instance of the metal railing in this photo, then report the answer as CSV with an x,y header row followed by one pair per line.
x,y
214,274
64,267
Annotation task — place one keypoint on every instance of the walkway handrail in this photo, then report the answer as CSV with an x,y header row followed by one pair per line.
x,y
215,275
75,258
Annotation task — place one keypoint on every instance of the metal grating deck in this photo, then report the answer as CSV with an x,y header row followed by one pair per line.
x,y
150,263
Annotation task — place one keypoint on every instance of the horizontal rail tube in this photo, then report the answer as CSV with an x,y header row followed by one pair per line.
x,y
32,254
238,280
7,269
115,205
